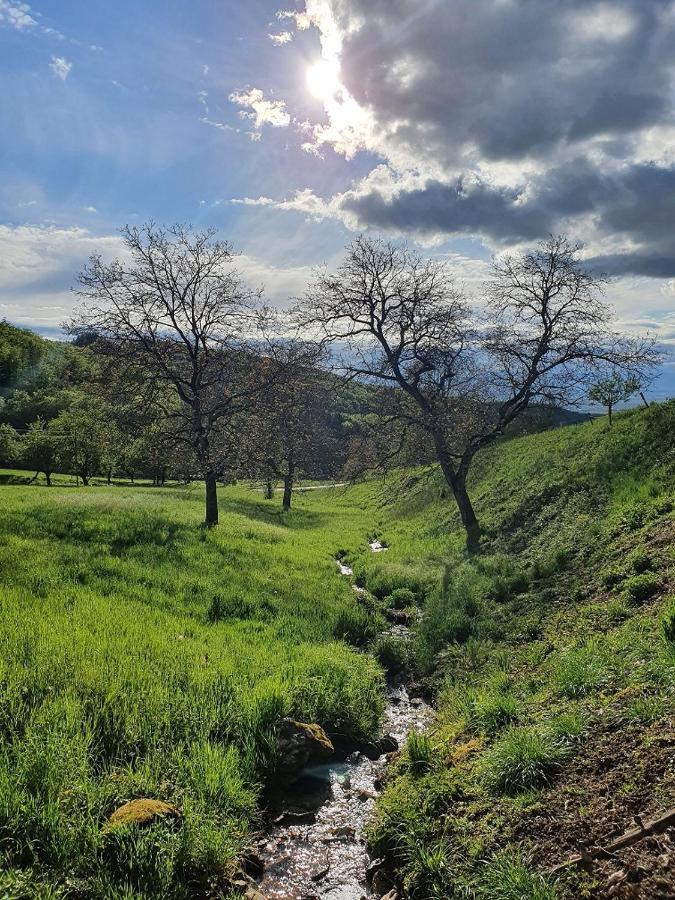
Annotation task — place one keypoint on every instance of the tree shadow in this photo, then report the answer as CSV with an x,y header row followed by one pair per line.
x,y
264,511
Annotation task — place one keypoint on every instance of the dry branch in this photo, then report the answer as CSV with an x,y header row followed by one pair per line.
x,y
632,836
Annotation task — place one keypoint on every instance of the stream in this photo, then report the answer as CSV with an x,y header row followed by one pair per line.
x,y
317,847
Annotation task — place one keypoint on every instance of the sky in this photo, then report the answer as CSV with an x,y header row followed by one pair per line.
x,y
470,128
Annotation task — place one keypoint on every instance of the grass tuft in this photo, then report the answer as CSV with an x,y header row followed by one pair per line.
x,y
507,877
523,758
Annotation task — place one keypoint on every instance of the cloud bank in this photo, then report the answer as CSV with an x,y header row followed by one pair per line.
x,y
505,120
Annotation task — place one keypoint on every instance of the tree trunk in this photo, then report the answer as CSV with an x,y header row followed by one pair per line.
x,y
48,476
609,410
288,480
467,514
269,489
644,399
211,518
456,481
109,477
288,491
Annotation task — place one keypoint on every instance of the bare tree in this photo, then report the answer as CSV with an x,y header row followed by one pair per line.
x,y
175,315
395,318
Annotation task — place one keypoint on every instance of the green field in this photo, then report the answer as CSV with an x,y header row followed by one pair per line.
x,y
143,656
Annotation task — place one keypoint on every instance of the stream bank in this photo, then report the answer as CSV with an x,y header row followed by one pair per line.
x,y
316,848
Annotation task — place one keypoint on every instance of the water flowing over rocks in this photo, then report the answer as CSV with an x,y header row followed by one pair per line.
x,y
316,848
326,856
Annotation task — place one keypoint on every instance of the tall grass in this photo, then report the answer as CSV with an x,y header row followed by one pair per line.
x,y
143,657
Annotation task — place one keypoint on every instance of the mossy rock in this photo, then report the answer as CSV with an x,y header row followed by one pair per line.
x,y
300,742
143,812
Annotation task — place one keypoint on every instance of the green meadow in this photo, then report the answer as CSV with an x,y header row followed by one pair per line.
x,y
144,656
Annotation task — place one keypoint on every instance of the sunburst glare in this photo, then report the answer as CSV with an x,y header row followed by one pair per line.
x,y
323,79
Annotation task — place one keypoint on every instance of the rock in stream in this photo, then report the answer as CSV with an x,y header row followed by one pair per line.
x,y
324,855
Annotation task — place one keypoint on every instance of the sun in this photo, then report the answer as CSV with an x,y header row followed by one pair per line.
x,y
323,79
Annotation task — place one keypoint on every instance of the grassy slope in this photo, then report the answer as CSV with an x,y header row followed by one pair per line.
x,y
554,679
116,685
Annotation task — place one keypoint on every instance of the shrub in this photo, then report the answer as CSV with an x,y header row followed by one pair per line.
x,y
547,566
418,752
617,610
639,588
636,514
523,758
579,672
391,652
400,598
385,578
507,877
491,708
669,621
646,709
492,711
569,727
504,587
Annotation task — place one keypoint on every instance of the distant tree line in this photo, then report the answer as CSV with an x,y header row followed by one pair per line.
x,y
177,368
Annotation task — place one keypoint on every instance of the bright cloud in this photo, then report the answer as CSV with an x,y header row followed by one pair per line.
x,y
259,110
38,265
61,67
16,15
487,127
281,38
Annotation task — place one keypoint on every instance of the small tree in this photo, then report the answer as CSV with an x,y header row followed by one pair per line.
x,y
177,316
613,389
40,449
9,444
397,320
79,431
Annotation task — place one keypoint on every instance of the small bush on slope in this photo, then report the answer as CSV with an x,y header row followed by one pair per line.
x,y
400,599
581,671
639,588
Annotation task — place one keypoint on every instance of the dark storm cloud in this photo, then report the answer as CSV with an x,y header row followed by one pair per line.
x,y
450,208
636,203
542,113
511,77
642,263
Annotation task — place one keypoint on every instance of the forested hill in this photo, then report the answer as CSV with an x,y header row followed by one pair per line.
x,y
21,353
59,415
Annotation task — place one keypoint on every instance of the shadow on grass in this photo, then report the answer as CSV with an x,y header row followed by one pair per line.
x,y
119,529
265,511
